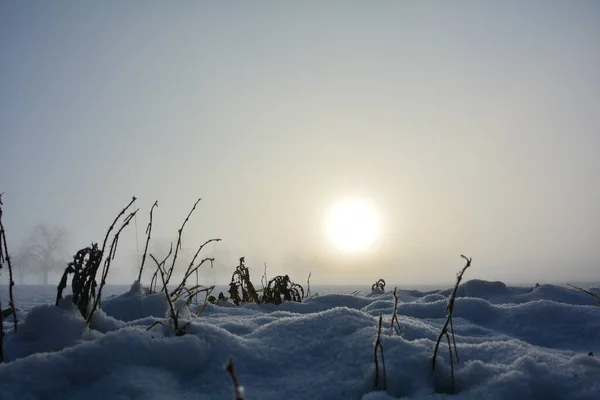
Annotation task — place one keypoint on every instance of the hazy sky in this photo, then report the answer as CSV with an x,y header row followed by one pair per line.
x,y
472,127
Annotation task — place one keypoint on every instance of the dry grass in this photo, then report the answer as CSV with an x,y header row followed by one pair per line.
x,y
595,296
5,258
378,348
1,336
444,331
275,291
85,266
181,290
148,236
238,390
395,315
380,284
179,329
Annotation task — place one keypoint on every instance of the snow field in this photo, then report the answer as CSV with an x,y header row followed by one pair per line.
x,y
513,343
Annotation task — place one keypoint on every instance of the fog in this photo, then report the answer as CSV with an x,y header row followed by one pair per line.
x,y
472,128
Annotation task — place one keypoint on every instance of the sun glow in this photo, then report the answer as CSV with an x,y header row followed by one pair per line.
x,y
352,225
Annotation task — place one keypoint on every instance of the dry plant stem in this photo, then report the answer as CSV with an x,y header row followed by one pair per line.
x,y
194,291
5,256
395,314
263,279
595,296
236,385
205,300
181,287
453,340
174,316
111,256
308,285
155,276
451,360
178,247
191,269
449,310
379,346
1,337
112,253
115,222
197,284
92,282
148,234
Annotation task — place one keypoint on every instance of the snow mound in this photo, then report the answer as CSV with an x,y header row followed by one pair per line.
x,y
134,305
319,349
483,289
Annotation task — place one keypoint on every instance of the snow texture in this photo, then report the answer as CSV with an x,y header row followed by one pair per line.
x,y
513,343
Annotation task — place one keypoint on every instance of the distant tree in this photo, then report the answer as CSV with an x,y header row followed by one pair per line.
x,y
45,251
22,265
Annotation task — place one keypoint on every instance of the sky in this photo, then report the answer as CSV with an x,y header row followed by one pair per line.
x,y
470,127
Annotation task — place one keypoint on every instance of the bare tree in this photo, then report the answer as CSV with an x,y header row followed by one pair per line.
x,y
22,263
45,250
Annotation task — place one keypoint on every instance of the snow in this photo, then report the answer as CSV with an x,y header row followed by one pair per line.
x,y
513,343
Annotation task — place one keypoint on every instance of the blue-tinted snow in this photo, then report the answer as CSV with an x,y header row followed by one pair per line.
x,y
513,343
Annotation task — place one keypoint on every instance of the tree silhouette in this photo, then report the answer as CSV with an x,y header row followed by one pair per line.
x,y
45,251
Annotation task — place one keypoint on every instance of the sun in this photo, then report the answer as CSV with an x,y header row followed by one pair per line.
x,y
352,225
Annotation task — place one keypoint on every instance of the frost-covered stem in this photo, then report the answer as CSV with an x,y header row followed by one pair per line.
x,y
148,234
263,279
395,314
453,340
155,276
111,255
189,270
308,285
379,346
208,292
178,247
595,296
1,335
112,226
197,284
237,389
91,282
5,256
177,292
451,360
449,310
174,316
437,343
153,282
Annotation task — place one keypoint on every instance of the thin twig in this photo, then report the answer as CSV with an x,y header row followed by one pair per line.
x,y
148,234
379,346
190,270
444,331
174,316
453,339
595,296
263,279
395,314
107,260
90,284
177,292
308,285
178,246
205,301
237,388
4,256
451,360
1,335
155,276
